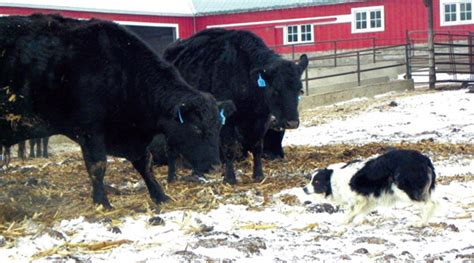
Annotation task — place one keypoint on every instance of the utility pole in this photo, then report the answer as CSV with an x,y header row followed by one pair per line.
x,y
431,61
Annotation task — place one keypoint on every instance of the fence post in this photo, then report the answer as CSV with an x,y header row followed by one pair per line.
x,y
293,52
407,60
358,68
431,49
306,81
373,48
335,53
471,58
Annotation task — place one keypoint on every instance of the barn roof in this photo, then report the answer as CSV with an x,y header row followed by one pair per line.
x,y
204,7
168,8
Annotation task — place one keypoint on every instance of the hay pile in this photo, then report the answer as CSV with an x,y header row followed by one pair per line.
x,y
47,191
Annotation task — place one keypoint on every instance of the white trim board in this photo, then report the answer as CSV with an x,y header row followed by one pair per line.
x,y
339,19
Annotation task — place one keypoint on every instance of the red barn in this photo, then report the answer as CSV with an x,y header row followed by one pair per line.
x,y
309,24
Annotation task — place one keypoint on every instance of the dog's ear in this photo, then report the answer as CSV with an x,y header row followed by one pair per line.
x,y
329,173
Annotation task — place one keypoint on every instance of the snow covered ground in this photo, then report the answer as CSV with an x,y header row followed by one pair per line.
x,y
443,116
309,229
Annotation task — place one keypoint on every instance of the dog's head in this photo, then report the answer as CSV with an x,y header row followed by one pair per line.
x,y
320,182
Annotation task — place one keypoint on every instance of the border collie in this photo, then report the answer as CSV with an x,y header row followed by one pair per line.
x,y
398,175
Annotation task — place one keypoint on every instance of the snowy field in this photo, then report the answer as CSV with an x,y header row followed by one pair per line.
x,y
443,116
309,230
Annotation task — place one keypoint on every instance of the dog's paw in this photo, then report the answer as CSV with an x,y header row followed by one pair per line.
x,y
419,224
346,221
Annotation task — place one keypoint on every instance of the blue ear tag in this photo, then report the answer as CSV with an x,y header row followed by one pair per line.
x,y
221,113
299,98
180,117
261,82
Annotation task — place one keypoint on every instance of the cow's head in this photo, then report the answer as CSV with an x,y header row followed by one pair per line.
x,y
194,127
281,83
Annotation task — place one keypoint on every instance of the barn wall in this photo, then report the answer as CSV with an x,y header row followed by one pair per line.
x,y
400,16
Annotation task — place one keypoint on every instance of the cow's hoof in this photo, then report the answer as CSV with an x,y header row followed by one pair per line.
x,y
231,181
194,179
102,202
171,180
259,178
161,199
103,206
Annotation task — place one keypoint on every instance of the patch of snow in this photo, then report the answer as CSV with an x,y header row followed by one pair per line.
x,y
446,116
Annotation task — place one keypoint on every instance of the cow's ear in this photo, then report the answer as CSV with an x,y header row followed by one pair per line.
x,y
260,77
303,63
226,109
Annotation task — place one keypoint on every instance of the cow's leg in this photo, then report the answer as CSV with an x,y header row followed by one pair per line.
x,y
144,166
95,158
172,156
8,155
32,148
229,173
38,147
257,151
21,150
272,145
45,142
230,148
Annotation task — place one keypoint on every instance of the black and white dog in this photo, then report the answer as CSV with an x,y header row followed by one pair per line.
x,y
398,175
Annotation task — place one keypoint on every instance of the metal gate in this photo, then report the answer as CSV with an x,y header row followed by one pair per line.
x,y
453,56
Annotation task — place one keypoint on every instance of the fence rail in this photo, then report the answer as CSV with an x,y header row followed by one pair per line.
x,y
453,54
401,50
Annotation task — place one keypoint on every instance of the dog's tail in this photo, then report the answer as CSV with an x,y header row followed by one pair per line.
x,y
429,171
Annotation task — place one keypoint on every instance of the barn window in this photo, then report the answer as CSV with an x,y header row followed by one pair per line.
x,y
376,19
368,19
292,34
361,20
306,33
456,12
450,13
466,11
298,34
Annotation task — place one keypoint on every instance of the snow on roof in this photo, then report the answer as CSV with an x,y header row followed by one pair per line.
x,y
167,8
143,7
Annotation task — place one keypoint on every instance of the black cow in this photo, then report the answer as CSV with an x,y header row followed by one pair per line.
x,y
237,65
101,86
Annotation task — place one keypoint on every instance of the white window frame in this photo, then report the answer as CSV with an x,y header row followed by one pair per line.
x,y
443,3
367,10
285,34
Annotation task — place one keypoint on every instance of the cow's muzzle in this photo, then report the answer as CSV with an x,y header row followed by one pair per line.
x,y
292,124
